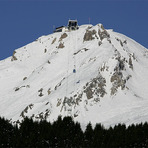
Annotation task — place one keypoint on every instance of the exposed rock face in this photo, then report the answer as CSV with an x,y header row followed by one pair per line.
x,y
59,102
96,87
61,45
13,56
117,81
49,91
59,84
69,101
121,64
40,92
99,43
82,50
63,36
41,115
24,78
18,88
26,110
45,50
130,63
53,40
121,43
89,93
89,35
103,33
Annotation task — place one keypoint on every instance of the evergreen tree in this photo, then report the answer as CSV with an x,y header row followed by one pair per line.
x,y
78,137
6,133
98,135
66,133
88,136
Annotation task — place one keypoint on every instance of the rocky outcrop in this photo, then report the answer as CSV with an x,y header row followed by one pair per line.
x,y
59,84
96,87
63,36
53,40
59,102
25,111
42,115
89,35
18,88
89,92
49,91
120,65
80,51
103,34
61,45
45,50
14,58
24,78
117,81
40,92
130,63
99,43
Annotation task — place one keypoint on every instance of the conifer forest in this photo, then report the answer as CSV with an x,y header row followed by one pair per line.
x,y
68,134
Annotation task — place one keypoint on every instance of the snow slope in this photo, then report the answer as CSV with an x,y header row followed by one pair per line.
x,y
108,87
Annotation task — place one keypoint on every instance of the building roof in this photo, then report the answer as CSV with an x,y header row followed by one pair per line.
x,y
59,27
72,21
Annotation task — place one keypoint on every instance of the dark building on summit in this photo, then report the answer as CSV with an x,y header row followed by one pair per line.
x,y
72,25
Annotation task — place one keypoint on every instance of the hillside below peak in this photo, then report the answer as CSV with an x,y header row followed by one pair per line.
x,y
92,74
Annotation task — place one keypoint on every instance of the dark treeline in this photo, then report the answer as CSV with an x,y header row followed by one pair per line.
x,y
66,133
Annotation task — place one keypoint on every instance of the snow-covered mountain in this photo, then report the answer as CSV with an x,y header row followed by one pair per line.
x,y
91,74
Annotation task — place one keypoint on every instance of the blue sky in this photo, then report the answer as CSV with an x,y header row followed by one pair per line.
x,y
23,21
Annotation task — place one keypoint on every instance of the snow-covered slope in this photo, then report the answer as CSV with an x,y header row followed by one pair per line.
x,y
91,74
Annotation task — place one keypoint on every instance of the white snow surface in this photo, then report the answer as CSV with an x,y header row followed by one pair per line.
x,y
42,66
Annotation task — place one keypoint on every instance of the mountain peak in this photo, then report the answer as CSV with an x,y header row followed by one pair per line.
x,y
91,73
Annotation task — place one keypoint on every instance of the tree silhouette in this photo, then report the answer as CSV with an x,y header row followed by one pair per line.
x,y
67,133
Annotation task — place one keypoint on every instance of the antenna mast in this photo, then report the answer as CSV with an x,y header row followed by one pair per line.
x,y
89,20
53,28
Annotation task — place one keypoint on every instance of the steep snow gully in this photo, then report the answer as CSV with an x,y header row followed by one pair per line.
x,y
92,74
